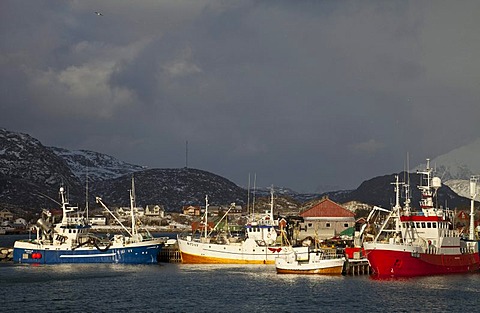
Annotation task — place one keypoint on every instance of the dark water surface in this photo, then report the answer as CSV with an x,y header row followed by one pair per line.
x,y
222,288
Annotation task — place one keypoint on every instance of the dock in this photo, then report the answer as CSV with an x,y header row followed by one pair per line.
x,y
170,254
354,267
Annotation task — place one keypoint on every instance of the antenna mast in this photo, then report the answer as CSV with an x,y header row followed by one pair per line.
x,y
473,195
186,154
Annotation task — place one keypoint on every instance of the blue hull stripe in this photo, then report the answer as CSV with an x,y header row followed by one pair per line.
x,y
86,255
134,255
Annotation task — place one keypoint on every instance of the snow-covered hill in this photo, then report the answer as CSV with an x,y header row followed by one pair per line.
x,y
96,165
31,173
456,167
462,187
459,163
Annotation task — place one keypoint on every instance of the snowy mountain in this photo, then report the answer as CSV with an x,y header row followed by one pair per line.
x,y
460,186
96,166
29,171
31,174
460,163
456,167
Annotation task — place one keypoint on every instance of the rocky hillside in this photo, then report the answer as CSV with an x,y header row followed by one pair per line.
x,y
96,166
380,191
31,173
172,188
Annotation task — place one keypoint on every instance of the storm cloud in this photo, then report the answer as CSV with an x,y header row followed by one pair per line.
x,y
311,95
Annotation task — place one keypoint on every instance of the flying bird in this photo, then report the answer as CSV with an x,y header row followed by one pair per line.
x,y
98,13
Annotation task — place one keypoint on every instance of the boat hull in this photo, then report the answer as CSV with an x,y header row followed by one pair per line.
x,y
193,252
385,262
326,267
136,254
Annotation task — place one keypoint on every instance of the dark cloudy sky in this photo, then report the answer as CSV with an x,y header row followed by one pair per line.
x,y
305,94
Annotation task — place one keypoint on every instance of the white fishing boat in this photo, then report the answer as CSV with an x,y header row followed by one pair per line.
x,y
257,244
305,260
71,241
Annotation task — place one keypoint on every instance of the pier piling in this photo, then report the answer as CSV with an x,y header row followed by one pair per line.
x,y
354,267
170,254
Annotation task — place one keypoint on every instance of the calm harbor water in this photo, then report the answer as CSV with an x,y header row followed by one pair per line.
x,y
222,288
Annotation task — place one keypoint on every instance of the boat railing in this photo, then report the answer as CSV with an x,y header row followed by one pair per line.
x,y
328,253
468,250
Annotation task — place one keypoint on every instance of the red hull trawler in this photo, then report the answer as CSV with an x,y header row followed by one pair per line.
x,y
420,243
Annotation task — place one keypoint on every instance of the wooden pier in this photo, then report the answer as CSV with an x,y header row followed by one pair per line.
x,y
354,267
170,254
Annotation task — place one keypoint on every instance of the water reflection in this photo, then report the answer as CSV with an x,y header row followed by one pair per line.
x,y
225,287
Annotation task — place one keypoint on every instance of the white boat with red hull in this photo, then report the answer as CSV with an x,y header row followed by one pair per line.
x,y
420,243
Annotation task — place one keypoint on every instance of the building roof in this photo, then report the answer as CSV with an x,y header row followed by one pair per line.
x,y
327,208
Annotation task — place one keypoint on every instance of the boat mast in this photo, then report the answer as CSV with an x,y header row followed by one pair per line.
x,y
397,193
271,204
426,202
253,204
99,200
397,208
248,195
206,215
473,195
394,213
406,185
132,205
86,193
64,205
429,191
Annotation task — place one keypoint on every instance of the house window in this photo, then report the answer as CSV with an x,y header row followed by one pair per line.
x,y
309,224
345,225
327,225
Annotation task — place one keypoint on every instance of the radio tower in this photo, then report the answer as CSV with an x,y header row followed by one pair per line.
x,y
186,154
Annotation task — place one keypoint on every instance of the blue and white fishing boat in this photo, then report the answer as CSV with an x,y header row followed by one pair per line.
x,y
71,240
